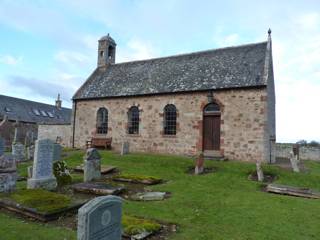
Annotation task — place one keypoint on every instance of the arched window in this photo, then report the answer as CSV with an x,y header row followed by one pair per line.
x,y
170,120
102,121
212,108
133,120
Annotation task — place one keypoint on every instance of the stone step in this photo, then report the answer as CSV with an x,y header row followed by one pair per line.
x,y
213,155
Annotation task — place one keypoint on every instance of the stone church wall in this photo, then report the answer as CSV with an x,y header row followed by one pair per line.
x,y
62,131
243,123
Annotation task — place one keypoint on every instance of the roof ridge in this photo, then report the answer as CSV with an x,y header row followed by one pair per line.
x,y
190,53
31,101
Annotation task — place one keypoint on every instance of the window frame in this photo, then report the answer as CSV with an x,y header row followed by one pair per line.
x,y
170,115
133,127
102,122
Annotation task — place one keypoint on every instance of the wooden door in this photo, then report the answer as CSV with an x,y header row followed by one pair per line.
x,y
211,132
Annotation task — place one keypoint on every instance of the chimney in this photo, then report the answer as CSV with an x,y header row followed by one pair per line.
x,y
58,102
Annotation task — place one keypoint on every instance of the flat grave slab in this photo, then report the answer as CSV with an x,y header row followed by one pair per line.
x,y
34,204
292,191
97,188
149,196
137,179
104,169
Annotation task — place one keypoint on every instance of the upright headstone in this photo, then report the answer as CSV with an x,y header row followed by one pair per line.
x,y
30,152
57,152
42,173
8,173
92,165
125,148
2,145
18,152
259,172
100,219
294,162
199,165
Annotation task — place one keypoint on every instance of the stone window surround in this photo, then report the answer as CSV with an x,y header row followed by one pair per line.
x,y
97,120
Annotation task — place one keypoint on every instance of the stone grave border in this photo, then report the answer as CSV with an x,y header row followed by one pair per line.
x,y
33,213
118,178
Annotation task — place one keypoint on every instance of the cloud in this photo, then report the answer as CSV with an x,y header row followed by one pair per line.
x,y
136,49
72,58
10,60
36,87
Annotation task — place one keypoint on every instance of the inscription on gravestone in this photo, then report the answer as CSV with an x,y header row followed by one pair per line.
x,y
100,219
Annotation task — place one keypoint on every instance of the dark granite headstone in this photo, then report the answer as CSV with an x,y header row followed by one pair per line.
x,y
100,219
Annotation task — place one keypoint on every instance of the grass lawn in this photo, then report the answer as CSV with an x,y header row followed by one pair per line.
x,y
220,205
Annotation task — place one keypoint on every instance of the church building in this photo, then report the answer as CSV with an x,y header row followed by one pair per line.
x,y
218,102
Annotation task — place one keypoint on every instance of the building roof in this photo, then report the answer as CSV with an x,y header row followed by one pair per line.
x,y
33,112
231,67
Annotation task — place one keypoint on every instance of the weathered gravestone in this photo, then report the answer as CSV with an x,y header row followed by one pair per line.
x,y
8,173
100,219
199,165
125,148
18,151
30,152
2,145
259,171
42,173
57,152
92,165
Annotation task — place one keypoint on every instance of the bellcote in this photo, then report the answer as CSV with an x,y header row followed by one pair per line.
x,y
106,51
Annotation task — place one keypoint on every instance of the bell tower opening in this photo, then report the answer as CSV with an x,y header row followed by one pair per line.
x,y
106,51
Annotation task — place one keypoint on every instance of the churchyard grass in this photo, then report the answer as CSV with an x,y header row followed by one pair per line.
x,y
219,205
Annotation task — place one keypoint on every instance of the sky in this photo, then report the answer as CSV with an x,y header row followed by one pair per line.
x,y
50,47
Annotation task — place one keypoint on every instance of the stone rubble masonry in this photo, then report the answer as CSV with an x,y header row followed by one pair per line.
x,y
244,127
52,132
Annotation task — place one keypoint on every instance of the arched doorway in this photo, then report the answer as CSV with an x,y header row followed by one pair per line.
x,y
211,127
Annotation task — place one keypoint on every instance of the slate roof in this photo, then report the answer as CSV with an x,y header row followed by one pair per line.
x,y
33,112
231,67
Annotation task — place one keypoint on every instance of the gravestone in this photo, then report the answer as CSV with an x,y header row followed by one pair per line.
x,y
294,162
30,152
42,173
199,165
92,165
259,172
125,148
2,145
57,152
100,219
18,152
8,173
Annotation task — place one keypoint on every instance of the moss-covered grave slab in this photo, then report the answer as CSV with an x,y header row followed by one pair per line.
x,y
133,226
97,188
39,204
142,179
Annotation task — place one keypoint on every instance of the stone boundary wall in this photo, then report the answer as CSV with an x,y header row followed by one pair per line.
x,y
306,152
48,131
